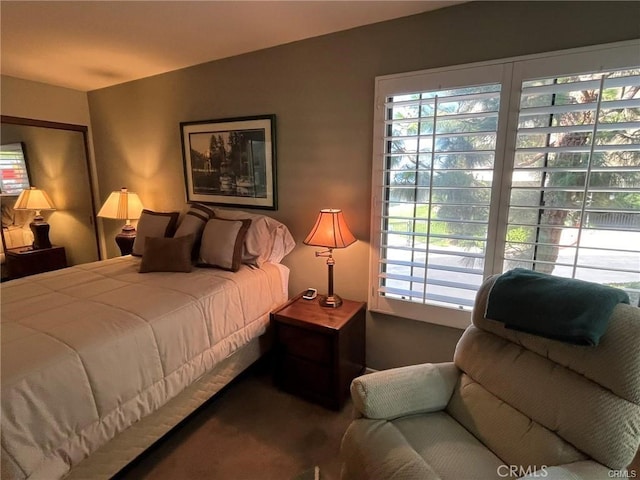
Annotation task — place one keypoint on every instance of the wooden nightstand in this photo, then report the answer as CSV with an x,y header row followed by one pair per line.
x,y
26,261
319,350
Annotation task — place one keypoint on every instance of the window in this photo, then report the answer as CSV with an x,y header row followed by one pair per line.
x,y
482,168
14,176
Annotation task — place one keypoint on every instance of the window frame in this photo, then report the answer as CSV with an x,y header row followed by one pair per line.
x,y
510,72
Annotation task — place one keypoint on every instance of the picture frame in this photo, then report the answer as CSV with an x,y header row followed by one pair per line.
x,y
231,161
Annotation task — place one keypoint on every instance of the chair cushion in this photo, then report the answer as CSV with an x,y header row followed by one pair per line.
x,y
448,447
590,417
588,396
616,351
428,446
373,449
512,436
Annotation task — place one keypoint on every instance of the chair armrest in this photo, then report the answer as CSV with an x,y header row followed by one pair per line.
x,y
585,470
397,392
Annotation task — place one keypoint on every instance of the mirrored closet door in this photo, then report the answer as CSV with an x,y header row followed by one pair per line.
x,y
57,162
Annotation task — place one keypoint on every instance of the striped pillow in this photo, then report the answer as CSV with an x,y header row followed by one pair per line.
x,y
193,223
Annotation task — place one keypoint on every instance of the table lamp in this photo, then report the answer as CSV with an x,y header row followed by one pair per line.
x,y
330,231
35,199
123,205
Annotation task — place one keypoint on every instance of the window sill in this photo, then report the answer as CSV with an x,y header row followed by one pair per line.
x,y
448,317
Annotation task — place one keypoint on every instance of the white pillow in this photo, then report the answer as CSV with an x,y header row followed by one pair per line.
x,y
267,240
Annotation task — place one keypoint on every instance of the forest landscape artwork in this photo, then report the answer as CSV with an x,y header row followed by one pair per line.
x,y
231,161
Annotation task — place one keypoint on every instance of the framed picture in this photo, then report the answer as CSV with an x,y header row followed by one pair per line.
x,y
231,161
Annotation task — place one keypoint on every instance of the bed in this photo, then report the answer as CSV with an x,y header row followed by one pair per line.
x,y
99,360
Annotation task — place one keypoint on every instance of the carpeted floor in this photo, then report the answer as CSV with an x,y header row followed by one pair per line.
x,y
250,431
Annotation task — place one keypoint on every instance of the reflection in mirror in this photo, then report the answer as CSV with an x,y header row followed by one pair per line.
x,y
56,157
14,175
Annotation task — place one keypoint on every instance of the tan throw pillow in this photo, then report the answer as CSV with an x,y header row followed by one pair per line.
x,y
166,254
221,244
153,224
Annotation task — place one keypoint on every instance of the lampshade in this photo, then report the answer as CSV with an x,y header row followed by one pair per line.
x,y
34,199
330,230
122,204
126,206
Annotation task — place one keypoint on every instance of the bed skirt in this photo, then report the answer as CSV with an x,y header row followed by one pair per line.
x,y
112,457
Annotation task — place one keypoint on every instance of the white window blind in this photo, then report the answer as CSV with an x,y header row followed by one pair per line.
x,y
574,207
14,176
439,159
530,162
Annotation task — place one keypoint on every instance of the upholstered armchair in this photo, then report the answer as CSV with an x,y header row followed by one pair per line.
x,y
510,405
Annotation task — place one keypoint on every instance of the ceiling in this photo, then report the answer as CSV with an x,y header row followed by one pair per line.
x,y
86,45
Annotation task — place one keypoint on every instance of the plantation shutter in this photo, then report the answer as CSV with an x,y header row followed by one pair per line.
x,y
574,208
530,162
439,157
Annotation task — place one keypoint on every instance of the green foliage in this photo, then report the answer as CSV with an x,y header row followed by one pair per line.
x,y
518,235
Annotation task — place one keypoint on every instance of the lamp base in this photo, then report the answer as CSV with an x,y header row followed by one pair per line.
x,y
125,239
40,230
330,301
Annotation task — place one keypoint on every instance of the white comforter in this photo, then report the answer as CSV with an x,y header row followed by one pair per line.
x,y
89,350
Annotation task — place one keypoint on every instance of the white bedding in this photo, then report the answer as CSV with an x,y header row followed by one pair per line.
x,y
89,350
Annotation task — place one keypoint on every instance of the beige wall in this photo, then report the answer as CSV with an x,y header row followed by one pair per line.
x,y
52,152
24,98
322,92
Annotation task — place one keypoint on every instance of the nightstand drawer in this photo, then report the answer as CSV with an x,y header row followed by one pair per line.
x,y
298,374
305,344
319,350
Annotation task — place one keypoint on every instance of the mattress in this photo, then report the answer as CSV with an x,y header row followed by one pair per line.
x,y
90,350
